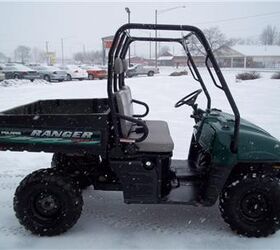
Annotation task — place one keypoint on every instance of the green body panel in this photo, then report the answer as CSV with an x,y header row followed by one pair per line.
x,y
255,144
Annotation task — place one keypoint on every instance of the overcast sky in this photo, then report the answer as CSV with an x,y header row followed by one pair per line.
x,y
33,24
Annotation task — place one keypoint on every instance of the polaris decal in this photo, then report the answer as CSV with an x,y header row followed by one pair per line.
x,y
37,136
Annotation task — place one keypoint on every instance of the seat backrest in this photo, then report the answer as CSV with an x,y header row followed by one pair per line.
x,y
124,104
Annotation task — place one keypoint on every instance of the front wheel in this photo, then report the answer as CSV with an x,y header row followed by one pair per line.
x,y
48,203
151,73
251,205
91,77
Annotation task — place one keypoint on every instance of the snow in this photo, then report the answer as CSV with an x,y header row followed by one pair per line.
x,y
108,223
258,50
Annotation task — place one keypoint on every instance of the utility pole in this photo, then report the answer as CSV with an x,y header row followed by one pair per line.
x,y
84,54
47,52
156,21
62,52
156,62
150,47
84,49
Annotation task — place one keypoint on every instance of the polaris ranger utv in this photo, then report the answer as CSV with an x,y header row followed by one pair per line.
x,y
102,142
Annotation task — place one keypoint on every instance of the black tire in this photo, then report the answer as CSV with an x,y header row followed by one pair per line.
x,y
60,80
151,73
77,167
48,203
47,78
16,76
91,77
69,77
32,80
250,205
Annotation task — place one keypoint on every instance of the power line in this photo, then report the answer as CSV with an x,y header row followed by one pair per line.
x,y
241,18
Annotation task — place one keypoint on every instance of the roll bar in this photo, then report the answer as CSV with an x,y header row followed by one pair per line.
x,y
119,48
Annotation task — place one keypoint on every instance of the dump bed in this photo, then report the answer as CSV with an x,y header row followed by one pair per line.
x,y
70,125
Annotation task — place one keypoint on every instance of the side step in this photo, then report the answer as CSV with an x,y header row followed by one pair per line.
x,y
185,170
188,191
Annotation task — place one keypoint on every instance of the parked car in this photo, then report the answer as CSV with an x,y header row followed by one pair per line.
x,y
51,73
74,72
2,75
19,71
95,72
139,69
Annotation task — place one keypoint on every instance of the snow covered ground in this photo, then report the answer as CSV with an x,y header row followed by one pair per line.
x,y
107,223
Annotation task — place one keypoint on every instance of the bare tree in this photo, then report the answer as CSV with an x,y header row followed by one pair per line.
x,y
216,40
38,55
247,41
22,53
3,58
269,35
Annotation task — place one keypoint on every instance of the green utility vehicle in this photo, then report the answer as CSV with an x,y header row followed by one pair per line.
x,y
102,142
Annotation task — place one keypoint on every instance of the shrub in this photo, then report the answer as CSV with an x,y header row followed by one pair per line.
x,y
248,76
179,73
276,75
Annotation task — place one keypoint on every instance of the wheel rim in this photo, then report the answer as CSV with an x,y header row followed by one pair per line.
x,y
254,206
46,206
68,77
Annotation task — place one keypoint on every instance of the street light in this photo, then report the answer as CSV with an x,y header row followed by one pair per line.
x,y
157,12
128,17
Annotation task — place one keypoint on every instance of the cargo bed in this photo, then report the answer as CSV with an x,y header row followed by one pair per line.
x,y
62,125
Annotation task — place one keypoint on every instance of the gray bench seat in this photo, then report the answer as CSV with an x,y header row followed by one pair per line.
x,y
159,139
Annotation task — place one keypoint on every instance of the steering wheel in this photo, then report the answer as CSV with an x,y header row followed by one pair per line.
x,y
189,99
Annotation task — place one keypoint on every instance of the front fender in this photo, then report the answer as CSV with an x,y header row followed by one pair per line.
x,y
258,146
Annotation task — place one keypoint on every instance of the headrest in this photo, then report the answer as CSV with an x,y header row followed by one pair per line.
x,y
125,65
118,66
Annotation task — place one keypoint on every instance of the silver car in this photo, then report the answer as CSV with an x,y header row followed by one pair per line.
x,y
50,73
19,71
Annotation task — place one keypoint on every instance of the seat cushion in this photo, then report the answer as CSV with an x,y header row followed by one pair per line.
x,y
158,140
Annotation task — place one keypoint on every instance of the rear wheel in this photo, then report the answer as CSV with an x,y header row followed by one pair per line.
x,y
47,78
69,77
78,167
151,73
91,77
251,205
48,203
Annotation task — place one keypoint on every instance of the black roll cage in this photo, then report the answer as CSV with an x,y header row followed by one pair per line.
x,y
119,48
